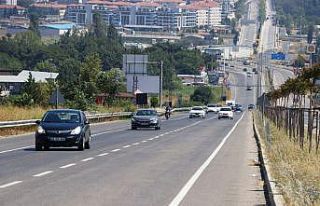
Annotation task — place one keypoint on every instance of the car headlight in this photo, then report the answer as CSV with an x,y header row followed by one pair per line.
x,y
76,131
154,120
133,119
40,130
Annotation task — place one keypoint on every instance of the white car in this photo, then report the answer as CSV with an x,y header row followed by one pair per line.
x,y
214,108
197,112
225,112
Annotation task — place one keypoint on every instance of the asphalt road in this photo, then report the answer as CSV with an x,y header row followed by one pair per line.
x,y
187,162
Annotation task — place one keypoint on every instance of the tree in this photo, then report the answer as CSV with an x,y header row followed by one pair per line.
x,y
154,101
310,34
202,94
89,71
34,24
111,82
299,62
99,28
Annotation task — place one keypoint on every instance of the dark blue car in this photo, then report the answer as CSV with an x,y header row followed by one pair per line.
x,y
63,128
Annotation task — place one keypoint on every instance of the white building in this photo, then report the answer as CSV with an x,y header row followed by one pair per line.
x,y
8,2
208,13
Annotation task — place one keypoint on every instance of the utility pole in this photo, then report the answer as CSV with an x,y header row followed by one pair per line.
x,y
161,83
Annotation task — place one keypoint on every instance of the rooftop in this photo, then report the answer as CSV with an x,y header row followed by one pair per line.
x,y
24,75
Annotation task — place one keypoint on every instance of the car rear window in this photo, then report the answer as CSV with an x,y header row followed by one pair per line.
x,y
225,109
62,116
197,108
212,105
146,113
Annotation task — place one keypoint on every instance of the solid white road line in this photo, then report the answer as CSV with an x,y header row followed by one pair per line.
x,y
183,192
115,150
9,184
15,149
127,146
87,159
68,165
144,141
137,143
43,173
103,154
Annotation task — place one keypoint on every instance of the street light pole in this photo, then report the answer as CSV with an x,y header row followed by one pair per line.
x,y
161,83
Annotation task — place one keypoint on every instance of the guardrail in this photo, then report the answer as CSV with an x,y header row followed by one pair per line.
x,y
92,117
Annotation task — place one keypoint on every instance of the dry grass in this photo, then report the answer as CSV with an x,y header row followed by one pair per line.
x,y
8,113
296,171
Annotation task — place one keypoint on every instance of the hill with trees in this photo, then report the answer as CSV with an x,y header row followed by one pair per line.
x,y
298,13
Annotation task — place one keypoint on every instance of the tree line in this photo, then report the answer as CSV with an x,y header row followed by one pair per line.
x,y
89,62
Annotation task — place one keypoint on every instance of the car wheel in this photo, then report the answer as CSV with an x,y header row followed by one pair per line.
x,y
190,117
87,144
46,147
38,147
133,128
219,118
81,144
157,128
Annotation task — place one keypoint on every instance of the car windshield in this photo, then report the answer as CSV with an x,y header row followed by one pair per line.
x,y
225,109
197,108
62,116
146,113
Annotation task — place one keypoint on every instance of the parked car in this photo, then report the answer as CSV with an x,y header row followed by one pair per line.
x,y
145,118
63,128
197,112
214,108
225,112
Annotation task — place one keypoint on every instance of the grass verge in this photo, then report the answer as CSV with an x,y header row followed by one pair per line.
x,y
296,171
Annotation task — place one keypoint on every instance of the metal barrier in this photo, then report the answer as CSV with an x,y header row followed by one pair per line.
x,y
93,117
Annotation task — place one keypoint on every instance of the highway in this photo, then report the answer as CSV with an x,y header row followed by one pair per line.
x,y
187,162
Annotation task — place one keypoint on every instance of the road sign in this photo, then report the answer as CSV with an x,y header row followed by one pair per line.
x,y
278,56
311,49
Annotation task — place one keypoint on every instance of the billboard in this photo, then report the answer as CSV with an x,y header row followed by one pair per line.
x,y
134,64
146,84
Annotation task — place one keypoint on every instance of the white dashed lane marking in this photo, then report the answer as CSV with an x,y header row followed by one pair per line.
x,y
137,143
68,165
127,146
115,150
43,173
103,154
9,184
87,159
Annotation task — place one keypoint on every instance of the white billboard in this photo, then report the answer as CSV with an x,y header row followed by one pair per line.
x,y
135,64
146,84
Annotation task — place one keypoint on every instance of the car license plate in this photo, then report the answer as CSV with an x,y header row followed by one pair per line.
x,y
57,139
144,123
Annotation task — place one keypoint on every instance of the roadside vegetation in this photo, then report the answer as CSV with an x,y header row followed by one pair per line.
x,y
296,171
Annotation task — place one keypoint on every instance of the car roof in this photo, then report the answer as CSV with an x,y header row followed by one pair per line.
x,y
146,109
64,110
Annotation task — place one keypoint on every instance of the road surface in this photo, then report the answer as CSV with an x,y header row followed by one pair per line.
x,y
188,162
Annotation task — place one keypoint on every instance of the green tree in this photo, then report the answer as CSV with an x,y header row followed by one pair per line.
x,y
299,62
310,34
202,94
154,101
34,23
89,71
111,82
99,28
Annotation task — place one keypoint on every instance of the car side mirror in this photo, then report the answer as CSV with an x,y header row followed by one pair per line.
x,y
38,122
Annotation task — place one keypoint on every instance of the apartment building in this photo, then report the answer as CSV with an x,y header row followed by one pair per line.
x,y
6,11
176,18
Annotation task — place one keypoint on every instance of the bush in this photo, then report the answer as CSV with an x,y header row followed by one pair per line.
x,y
154,101
202,94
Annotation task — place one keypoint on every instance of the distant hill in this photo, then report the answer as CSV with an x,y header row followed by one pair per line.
x,y
298,13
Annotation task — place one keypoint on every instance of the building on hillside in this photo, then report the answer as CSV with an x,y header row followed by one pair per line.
x,y
13,84
6,11
55,30
82,14
176,18
49,9
8,2
208,13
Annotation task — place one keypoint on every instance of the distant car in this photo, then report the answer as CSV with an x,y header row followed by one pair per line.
x,y
249,74
214,108
249,88
250,106
145,118
197,112
63,128
225,112
245,69
205,108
